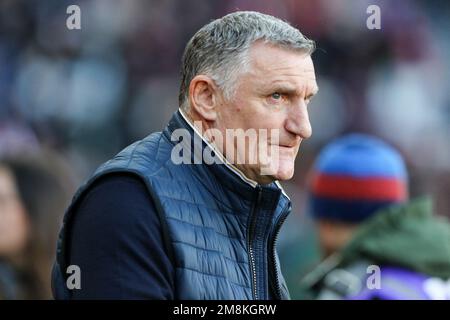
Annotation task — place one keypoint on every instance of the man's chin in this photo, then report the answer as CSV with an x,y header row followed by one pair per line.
x,y
284,171
283,175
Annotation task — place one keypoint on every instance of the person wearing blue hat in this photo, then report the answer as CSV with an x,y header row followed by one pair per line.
x,y
377,243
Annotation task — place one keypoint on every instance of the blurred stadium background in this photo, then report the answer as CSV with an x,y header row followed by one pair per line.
x,y
71,99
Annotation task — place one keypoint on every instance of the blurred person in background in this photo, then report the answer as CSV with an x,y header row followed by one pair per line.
x,y
359,200
32,195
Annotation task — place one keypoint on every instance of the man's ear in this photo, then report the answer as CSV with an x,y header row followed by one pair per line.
x,y
203,97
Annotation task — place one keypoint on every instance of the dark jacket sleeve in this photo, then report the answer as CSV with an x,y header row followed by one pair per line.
x,y
117,242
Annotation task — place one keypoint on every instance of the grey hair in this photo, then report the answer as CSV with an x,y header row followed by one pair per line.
x,y
220,48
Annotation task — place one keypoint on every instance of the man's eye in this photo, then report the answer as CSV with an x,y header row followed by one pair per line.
x,y
276,96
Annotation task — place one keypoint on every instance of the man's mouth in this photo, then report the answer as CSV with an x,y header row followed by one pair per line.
x,y
284,149
287,146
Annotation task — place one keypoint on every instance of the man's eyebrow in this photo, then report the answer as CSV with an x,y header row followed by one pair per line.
x,y
281,86
289,89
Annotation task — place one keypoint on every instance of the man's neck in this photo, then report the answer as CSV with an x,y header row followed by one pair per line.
x,y
200,126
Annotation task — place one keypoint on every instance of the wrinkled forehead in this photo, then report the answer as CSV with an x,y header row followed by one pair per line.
x,y
272,63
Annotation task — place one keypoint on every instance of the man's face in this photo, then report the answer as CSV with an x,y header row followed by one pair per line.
x,y
272,94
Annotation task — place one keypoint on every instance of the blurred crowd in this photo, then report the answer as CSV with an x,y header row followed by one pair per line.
x,y
70,99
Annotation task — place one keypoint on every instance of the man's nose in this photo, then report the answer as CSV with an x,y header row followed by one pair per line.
x,y
298,120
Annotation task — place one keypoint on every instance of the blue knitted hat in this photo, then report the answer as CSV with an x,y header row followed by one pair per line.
x,y
355,176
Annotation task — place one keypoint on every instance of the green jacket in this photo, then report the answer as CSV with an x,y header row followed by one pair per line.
x,y
407,236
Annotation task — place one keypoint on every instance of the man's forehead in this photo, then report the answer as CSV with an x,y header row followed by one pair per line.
x,y
273,61
289,77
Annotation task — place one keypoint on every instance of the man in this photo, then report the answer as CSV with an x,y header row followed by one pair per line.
x,y
161,222
377,244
